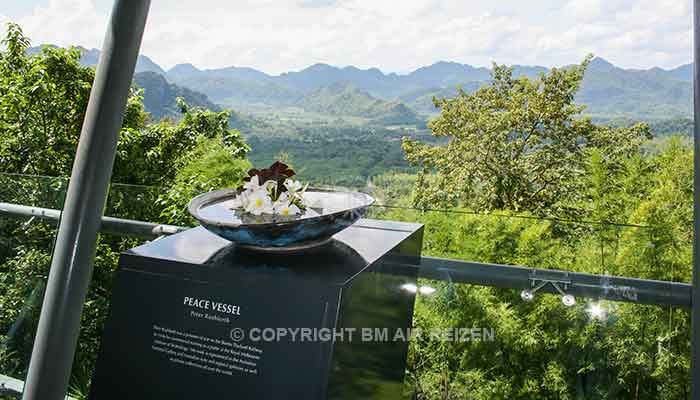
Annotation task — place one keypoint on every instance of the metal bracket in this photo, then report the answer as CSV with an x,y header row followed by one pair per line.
x,y
538,282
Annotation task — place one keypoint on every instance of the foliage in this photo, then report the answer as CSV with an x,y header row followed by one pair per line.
x,y
529,128
516,144
660,127
335,155
43,97
393,188
42,105
207,167
542,349
150,155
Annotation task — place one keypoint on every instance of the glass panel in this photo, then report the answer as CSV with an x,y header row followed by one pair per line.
x,y
134,202
538,349
26,246
475,342
543,349
660,252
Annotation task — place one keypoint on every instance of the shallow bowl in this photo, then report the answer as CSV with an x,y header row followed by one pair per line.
x,y
328,213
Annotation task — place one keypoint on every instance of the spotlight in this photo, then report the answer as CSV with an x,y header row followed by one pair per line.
x,y
527,295
568,300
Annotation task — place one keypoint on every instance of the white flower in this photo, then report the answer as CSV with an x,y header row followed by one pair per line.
x,y
292,185
256,199
285,209
239,201
253,184
284,198
259,202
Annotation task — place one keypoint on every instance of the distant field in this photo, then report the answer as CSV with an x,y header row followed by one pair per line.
x,y
347,151
328,151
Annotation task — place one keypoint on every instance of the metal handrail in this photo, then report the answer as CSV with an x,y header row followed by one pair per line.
x,y
614,288
603,287
117,226
13,387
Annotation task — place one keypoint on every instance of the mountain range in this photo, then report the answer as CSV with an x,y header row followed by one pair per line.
x,y
607,90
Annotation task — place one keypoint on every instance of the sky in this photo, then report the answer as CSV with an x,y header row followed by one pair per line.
x,y
393,35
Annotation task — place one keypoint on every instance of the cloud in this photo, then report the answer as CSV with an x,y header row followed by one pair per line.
x,y
65,22
642,33
594,10
318,3
282,35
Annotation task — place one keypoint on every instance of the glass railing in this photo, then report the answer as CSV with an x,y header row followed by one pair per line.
x,y
136,202
26,247
476,342
486,342
659,249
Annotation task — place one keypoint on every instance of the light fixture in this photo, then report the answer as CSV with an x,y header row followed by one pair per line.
x,y
568,300
26,224
527,295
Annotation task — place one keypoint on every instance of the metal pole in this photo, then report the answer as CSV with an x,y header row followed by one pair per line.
x,y
695,310
116,226
613,288
71,266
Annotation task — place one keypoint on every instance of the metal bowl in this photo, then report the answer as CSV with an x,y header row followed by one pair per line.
x,y
328,213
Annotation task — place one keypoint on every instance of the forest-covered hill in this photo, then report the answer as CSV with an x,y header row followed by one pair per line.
x,y
344,99
160,96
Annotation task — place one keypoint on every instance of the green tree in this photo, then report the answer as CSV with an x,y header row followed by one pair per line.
x,y
42,105
43,98
151,155
501,156
517,144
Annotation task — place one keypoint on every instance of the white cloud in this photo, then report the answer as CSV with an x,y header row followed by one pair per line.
x,y
281,35
640,33
65,22
317,3
592,10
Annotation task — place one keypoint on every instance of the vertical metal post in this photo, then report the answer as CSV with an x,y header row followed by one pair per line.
x,y
71,266
695,309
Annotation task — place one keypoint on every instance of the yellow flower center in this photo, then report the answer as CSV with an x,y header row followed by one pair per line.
x,y
258,203
285,211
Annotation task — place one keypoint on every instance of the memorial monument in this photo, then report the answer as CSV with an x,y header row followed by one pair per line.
x,y
194,316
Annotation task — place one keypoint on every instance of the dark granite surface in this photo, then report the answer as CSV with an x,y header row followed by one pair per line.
x,y
351,251
156,345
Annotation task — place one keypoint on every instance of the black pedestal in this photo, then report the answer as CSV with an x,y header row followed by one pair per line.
x,y
193,317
